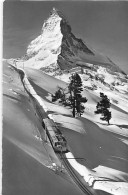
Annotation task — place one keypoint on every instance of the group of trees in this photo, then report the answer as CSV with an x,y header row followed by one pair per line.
x,y
74,99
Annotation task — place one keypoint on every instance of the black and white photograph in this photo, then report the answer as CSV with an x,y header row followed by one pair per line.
x,y
64,97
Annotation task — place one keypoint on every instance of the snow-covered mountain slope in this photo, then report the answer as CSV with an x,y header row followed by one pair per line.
x,y
102,155
57,48
104,164
26,157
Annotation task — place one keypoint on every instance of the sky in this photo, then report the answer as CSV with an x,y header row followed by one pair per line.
x,y
102,25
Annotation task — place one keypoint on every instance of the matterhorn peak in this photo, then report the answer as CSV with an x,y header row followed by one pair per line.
x,y
58,49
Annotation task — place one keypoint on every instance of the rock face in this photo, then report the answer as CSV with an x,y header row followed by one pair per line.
x,y
71,47
58,49
44,50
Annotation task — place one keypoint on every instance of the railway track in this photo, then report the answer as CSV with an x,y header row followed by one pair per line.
x,y
73,175
41,113
70,169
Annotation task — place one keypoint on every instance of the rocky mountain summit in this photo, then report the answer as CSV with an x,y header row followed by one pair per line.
x,y
57,48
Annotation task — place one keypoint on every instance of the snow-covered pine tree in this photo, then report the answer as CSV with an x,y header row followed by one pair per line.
x,y
58,94
103,108
75,97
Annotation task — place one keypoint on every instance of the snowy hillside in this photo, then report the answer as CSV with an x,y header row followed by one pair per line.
x,y
115,86
103,148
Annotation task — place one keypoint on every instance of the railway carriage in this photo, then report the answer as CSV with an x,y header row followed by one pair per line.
x,y
55,136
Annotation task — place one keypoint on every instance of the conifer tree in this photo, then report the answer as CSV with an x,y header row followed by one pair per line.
x,y
57,95
75,97
60,95
103,108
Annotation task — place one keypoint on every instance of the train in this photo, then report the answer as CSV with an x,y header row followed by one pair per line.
x,y
55,136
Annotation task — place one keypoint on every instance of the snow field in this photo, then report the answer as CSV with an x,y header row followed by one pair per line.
x,y
92,176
